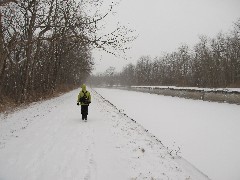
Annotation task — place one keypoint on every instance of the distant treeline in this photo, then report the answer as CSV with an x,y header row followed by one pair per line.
x,y
45,46
212,62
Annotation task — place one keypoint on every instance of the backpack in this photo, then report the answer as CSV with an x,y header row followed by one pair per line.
x,y
84,99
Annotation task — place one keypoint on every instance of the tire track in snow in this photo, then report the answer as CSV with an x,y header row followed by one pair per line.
x,y
90,171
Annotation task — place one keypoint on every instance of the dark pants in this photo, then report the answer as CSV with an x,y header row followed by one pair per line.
x,y
84,110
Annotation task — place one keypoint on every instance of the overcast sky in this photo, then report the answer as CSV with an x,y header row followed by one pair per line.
x,y
163,25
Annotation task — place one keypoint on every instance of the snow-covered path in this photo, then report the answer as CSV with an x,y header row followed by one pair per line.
x,y
48,140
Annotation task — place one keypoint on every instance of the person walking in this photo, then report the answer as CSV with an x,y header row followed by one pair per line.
x,y
84,99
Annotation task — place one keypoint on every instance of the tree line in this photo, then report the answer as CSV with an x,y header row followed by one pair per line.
x,y
212,62
45,45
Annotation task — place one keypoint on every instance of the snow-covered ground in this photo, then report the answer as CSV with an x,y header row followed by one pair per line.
x,y
48,140
208,133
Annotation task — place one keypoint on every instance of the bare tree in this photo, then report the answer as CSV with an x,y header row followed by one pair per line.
x,y
211,63
45,45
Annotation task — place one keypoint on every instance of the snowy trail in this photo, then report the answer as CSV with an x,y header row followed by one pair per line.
x,y
49,146
48,140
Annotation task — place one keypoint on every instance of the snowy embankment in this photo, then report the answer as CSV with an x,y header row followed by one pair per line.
x,y
207,132
48,140
229,95
230,90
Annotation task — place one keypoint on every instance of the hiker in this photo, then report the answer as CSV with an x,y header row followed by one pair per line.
x,y
84,99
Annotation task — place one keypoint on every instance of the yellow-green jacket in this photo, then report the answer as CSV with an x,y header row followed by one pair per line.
x,y
84,97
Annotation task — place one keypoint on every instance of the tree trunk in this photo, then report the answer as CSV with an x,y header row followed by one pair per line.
x,y
3,58
25,91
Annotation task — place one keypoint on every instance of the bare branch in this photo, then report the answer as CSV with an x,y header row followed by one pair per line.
x,y
5,2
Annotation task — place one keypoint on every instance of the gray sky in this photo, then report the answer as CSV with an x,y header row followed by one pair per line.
x,y
163,25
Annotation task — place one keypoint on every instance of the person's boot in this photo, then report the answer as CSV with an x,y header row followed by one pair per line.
x,y
85,117
82,117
